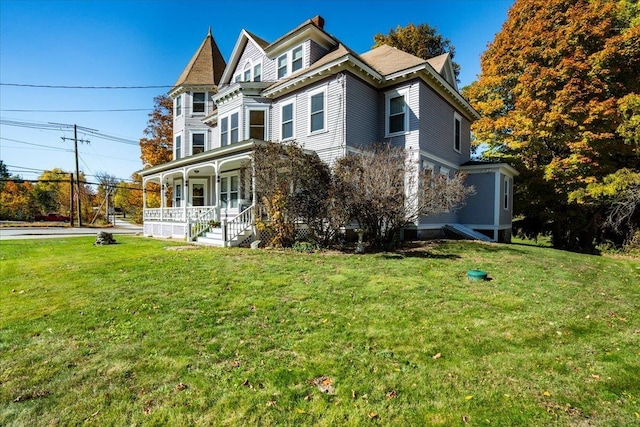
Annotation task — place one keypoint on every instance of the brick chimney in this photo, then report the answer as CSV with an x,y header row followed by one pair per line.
x,y
319,21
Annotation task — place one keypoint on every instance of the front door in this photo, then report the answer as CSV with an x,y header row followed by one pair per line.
x,y
229,193
198,193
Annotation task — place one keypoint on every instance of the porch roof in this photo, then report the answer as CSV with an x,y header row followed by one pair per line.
x,y
216,153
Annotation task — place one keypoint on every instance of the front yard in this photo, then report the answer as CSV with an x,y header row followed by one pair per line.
x,y
136,334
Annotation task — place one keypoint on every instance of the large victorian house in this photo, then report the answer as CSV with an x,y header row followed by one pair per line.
x,y
309,87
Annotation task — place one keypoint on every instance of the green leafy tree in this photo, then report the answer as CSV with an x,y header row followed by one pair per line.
x,y
554,93
420,40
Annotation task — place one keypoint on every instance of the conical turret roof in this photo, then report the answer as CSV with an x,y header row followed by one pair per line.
x,y
205,67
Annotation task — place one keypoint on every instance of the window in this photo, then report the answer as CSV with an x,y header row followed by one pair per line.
x,y
287,121
198,102
229,191
197,143
396,113
257,72
178,147
229,129
507,183
178,195
256,124
317,111
282,66
179,105
247,73
296,59
456,132
233,128
237,78
224,131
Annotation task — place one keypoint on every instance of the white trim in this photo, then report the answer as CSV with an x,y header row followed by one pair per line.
x,y
199,113
178,99
388,96
227,117
311,94
425,154
204,183
204,132
175,146
498,199
458,118
247,124
292,102
288,56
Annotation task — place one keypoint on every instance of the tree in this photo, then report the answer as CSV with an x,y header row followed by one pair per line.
x,y
383,190
157,146
17,201
421,40
553,93
292,186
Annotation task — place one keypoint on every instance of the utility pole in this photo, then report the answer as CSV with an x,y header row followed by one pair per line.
x,y
71,198
79,193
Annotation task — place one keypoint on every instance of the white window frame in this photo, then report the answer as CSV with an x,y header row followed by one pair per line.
x,y
446,172
227,117
228,177
457,137
247,126
285,66
178,106
248,68
310,95
198,132
506,194
291,102
193,111
253,72
288,63
388,96
178,148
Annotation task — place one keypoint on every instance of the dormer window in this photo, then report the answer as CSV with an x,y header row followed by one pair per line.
x,y
246,77
257,72
282,66
296,59
198,105
292,60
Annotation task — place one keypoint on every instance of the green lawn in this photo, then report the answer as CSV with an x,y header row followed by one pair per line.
x,y
135,334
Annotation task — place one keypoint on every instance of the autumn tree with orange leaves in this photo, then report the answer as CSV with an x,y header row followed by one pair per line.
x,y
156,147
556,92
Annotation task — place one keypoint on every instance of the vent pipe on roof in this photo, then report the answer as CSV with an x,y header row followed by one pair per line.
x,y
319,21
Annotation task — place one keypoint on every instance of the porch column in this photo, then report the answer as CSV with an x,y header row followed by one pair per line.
x,y
144,196
163,195
185,196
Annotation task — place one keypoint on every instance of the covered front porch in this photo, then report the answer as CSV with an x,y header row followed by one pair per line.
x,y
194,195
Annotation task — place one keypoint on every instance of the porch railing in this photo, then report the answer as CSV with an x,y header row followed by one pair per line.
x,y
198,225
182,214
236,226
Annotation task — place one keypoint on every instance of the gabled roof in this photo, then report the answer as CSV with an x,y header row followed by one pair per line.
x,y
388,60
443,66
205,67
244,38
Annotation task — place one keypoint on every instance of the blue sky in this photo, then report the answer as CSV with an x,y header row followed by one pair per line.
x,y
149,42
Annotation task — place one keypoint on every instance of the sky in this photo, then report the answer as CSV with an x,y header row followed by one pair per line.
x,y
129,51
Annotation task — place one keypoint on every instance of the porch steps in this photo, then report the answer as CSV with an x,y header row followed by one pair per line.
x,y
213,237
466,232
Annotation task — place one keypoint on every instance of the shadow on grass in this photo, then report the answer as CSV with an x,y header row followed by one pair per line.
x,y
419,254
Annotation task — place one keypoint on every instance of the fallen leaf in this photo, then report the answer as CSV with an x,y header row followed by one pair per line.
x,y
373,415
465,419
546,393
271,403
468,397
324,384
392,394
437,356
181,387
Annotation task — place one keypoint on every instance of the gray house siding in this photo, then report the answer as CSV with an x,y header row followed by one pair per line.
x,y
437,128
254,55
315,52
361,113
411,138
479,208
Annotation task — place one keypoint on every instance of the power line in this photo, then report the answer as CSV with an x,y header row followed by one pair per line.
x,y
79,111
85,87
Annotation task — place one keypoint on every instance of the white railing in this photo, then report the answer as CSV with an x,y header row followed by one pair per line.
x,y
233,228
182,214
198,225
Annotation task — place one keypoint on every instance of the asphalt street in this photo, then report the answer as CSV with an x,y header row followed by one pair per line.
x,y
17,232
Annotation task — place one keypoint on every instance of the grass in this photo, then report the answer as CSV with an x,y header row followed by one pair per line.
x,y
135,334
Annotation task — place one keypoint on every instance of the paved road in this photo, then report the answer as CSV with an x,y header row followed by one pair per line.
x,y
17,232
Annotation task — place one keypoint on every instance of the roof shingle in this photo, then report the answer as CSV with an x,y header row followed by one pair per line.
x,y
205,67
